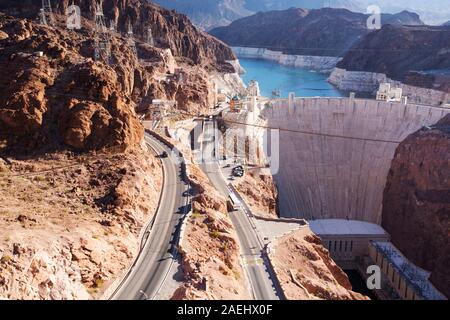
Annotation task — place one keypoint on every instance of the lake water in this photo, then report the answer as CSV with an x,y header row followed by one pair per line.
x,y
273,76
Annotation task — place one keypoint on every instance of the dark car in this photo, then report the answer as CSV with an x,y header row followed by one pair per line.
x,y
238,171
240,174
164,155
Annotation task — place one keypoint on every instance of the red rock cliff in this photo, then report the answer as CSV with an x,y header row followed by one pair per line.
x,y
65,99
416,204
170,30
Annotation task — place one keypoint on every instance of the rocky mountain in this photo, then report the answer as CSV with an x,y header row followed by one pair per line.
x,y
416,55
65,99
170,30
62,95
433,12
402,18
324,32
306,271
416,204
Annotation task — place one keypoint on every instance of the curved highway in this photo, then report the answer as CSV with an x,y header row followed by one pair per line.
x,y
259,274
158,252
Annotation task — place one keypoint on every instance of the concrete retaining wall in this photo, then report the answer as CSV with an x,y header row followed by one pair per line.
x,y
319,63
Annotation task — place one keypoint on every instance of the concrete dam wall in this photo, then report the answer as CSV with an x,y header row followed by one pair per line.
x,y
340,170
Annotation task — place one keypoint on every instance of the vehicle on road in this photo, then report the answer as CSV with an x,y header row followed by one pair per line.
x,y
238,171
164,154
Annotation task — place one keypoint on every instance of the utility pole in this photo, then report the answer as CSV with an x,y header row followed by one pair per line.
x,y
130,38
46,14
101,37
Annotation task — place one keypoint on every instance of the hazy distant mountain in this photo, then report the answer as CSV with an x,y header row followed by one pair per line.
x,y
269,5
446,23
433,12
324,32
405,18
208,14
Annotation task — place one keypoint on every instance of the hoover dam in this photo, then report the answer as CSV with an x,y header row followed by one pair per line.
x,y
335,153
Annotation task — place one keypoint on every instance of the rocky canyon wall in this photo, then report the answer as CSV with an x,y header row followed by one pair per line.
x,y
416,201
306,271
66,99
169,29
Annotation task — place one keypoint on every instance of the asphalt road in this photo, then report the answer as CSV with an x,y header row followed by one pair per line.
x,y
158,253
260,278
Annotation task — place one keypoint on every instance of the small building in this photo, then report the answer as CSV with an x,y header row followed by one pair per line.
x,y
346,240
235,104
389,94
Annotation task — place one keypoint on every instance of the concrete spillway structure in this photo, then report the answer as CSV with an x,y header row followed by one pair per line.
x,y
340,170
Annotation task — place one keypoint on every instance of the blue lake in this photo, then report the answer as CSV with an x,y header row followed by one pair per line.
x,y
273,76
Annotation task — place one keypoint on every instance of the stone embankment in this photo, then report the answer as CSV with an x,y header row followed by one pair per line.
x,y
369,82
317,63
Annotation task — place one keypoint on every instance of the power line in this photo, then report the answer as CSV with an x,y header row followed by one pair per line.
x,y
78,163
311,133
101,36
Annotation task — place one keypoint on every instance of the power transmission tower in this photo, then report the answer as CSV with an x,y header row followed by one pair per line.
x,y
112,25
130,38
150,39
46,14
101,37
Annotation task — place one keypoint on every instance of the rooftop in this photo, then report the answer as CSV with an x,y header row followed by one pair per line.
x,y
414,275
345,227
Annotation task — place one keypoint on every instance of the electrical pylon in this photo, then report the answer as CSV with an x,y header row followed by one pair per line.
x,y
150,39
101,37
130,37
46,14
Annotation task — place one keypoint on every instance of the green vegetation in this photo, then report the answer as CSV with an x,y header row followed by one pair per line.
x,y
196,215
5,259
214,234
40,178
98,283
